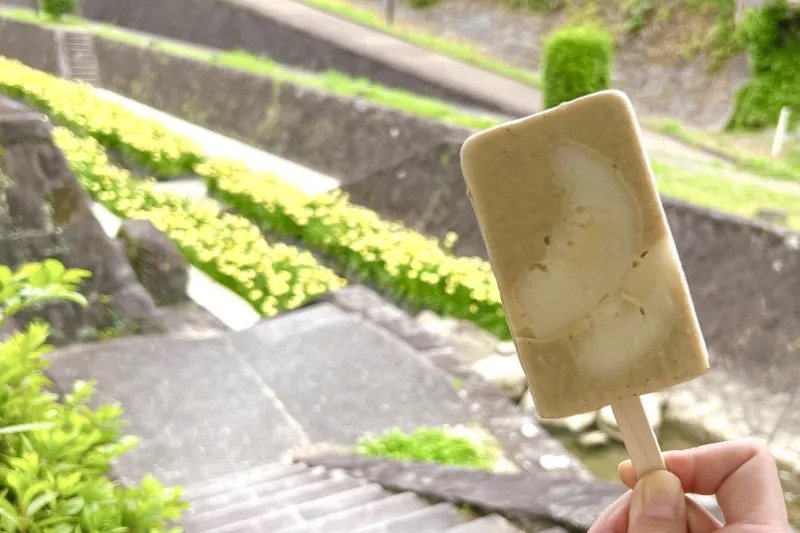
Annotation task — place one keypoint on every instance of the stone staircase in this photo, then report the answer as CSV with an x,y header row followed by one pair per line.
x,y
224,413
76,57
296,498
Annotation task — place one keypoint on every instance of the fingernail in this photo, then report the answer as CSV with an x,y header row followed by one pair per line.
x,y
663,495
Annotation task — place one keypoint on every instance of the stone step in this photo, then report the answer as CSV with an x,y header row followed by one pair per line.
x,y
487,524
256,492
342,500
277,521
183,438
245,510
256,475
430,520
350,520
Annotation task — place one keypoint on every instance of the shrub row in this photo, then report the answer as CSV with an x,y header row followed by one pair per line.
x,y
409,266
55,458
403,263
75,106
229,248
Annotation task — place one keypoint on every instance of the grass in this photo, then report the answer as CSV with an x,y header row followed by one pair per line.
x,y
786,169
731,196
457,50
447,446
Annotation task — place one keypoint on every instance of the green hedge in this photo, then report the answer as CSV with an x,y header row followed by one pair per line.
x,y
229,248
55,455
576,62
410,267
76,106
772,35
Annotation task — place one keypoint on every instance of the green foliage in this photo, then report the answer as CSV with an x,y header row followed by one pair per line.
x,y
537,5
637,13
422,4
76,106
772,36
55,456
431,445
228,247
36,283
577,62
413,268
56,9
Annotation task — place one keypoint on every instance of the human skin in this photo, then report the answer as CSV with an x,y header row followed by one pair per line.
x,y
742,474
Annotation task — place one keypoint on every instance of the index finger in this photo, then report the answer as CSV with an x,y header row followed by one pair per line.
x,y
742,474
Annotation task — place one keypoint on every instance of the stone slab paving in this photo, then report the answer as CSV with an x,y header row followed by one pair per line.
x,y
198,409
341,376
523,441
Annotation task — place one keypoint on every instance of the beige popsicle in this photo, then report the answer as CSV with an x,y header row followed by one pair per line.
x,y
588,272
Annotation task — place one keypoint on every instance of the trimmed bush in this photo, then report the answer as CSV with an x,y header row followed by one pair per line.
x,y
772,36
577,62
55,455
410,267
56,9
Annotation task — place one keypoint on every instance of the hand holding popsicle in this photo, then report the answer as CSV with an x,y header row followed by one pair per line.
x,y
741,474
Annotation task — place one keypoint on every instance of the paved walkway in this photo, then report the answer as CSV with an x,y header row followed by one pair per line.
x,y
442,70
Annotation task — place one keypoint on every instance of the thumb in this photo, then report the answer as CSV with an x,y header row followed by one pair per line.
x,y
658,505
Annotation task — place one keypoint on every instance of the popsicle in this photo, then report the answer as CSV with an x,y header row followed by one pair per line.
x,y
588,272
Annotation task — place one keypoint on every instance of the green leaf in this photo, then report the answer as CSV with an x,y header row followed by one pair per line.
x,y
39,502
21,428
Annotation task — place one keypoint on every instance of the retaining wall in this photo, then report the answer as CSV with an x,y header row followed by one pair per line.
x,y
229,25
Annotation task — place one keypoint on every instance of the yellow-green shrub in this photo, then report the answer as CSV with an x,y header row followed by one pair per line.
x,y
55,456
74,105
417,269
229,248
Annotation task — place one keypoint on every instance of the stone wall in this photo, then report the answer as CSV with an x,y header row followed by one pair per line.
x,y
45,213
229,25
30,44
349,139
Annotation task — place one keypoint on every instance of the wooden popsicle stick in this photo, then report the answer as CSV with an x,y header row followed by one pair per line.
x,y
640,439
